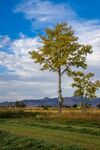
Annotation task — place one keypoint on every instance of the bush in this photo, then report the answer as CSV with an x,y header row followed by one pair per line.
x,y
74,106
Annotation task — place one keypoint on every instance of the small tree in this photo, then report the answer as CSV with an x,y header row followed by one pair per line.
x,y
85,87
60,51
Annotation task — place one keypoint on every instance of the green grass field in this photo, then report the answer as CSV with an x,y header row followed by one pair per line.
x,y
31,133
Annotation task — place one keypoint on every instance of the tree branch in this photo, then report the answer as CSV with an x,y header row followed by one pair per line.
x,y
50,65
69,64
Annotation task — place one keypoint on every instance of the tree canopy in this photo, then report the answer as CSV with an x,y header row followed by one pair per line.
x,y
61,49
60,52
85,85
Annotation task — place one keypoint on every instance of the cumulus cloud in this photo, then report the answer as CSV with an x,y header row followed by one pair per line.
x,y
89,33
18,61
23,79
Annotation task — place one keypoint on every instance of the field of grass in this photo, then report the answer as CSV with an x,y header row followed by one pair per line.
x,y
42,132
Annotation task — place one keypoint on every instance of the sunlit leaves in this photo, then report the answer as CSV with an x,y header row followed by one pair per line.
x,y
61,50
84,84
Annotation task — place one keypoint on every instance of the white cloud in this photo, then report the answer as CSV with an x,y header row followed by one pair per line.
x,y
18,61
32,89
28,88
4,41
89,33
42,13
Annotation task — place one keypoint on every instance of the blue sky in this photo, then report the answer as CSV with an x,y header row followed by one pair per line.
x,y
21,22
14,23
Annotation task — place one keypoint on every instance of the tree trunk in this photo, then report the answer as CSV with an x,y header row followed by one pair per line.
x,y
60,99
83,106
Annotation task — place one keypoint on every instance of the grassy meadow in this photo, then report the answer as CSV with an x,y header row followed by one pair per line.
x,y
39,129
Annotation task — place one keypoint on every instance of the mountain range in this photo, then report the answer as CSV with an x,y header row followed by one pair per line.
x,y
53,102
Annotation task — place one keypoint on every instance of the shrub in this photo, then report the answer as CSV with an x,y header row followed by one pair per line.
x,y
74,106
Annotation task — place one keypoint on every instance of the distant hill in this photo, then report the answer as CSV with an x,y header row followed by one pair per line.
x,y
52,102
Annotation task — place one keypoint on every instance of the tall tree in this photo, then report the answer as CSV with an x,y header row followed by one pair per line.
x,y
60,52
85,86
